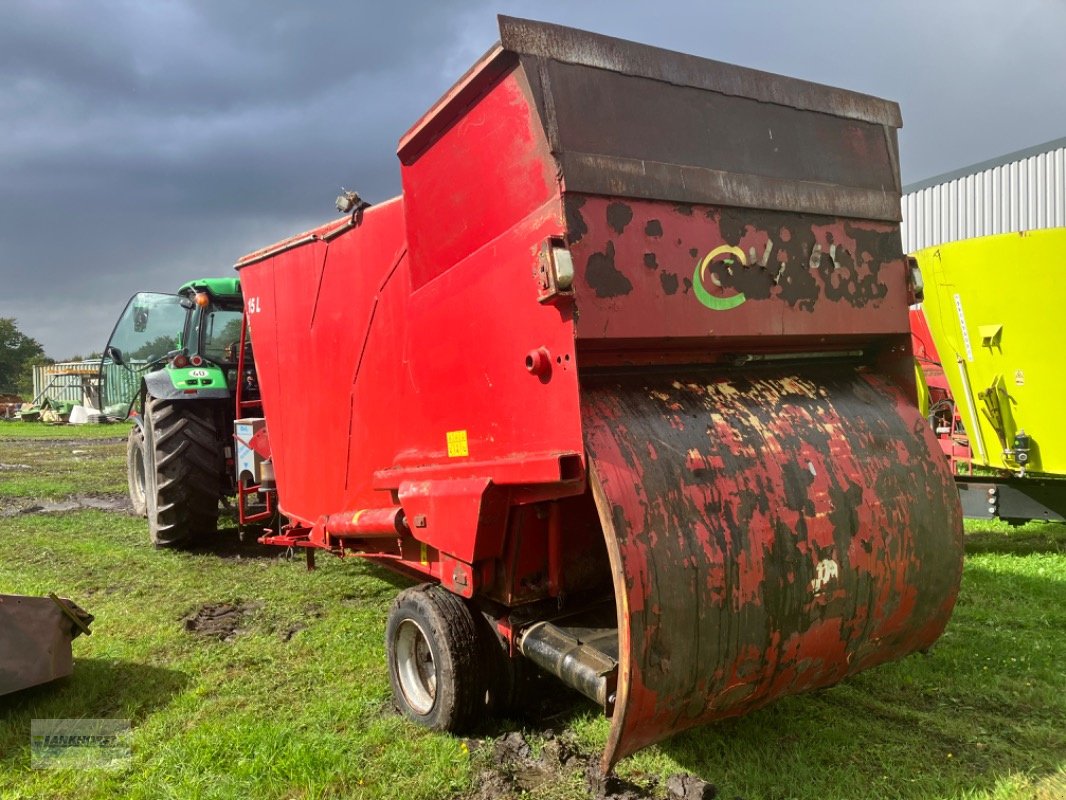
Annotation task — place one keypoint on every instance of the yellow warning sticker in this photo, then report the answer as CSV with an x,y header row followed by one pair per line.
x,y
423,555
457,444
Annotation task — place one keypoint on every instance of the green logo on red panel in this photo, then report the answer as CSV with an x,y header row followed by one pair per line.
x,y
707,283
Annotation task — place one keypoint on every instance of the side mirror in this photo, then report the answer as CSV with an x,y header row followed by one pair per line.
x,y
115,354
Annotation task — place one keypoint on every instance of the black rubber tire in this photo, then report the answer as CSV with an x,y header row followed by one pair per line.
x,y
185,465
460,697
135,471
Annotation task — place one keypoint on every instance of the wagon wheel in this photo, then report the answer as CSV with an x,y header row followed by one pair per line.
x,y
436,644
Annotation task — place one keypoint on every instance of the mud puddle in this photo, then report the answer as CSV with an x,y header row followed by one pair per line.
x,y
222,621
101,502
62,442
514,772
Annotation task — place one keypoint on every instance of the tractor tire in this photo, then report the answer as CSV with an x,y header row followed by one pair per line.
x,y
436,665
135,471
185,463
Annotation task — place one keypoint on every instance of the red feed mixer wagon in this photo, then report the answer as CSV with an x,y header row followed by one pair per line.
x,y
624,375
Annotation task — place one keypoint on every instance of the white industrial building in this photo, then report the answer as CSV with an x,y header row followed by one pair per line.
x,y
1020,191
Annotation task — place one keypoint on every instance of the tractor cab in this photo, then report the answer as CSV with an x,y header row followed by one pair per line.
x,y
176,346
214,321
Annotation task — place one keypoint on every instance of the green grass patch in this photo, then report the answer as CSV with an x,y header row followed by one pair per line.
x,y
16,429
296,703
50,462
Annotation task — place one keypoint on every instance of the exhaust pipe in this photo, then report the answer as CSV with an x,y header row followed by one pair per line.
x,y
580,665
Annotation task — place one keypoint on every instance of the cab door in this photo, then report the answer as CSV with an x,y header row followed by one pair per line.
x,y
151,328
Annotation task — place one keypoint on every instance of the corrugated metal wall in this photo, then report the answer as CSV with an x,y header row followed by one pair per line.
x,y
78,382
1022,194
70,381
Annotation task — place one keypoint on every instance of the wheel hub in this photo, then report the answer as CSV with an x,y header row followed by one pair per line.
x,y
415,668
138,471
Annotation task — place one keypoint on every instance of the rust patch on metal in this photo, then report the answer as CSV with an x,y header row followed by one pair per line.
x,y
576,227
795,255
604,277
777,532
732,256
618,216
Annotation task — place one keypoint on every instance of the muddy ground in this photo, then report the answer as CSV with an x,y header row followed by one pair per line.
x,y
514,771
102,502
511,767
222,621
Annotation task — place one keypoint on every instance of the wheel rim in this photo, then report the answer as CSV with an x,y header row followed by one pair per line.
x,y
138,472
415,669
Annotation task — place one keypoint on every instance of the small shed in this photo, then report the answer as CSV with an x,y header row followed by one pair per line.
x,y
76,382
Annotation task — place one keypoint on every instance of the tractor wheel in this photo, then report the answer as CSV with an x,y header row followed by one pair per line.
x,y
135,473
185,463
435,653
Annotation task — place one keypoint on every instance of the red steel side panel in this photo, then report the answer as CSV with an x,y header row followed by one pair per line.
x,y
928,357
921,338
775,532
393,367
468,334
310,310
479,204
652,269
483,175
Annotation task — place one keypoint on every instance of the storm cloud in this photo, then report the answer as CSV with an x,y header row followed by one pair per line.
x,y
146,143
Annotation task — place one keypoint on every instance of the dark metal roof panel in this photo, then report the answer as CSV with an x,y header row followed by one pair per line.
x,y
981,166
574,46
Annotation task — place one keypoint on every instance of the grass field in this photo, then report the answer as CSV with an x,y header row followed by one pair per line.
x,y
283,692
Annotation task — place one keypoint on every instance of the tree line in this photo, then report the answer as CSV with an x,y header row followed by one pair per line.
x,y
19,354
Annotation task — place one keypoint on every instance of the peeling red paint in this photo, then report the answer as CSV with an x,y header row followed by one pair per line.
x,y
803,557
779,267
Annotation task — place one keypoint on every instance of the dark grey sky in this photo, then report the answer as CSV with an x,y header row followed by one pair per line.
x,y
146,143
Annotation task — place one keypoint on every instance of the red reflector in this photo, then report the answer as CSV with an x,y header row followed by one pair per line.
x,y
196,361
191,391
